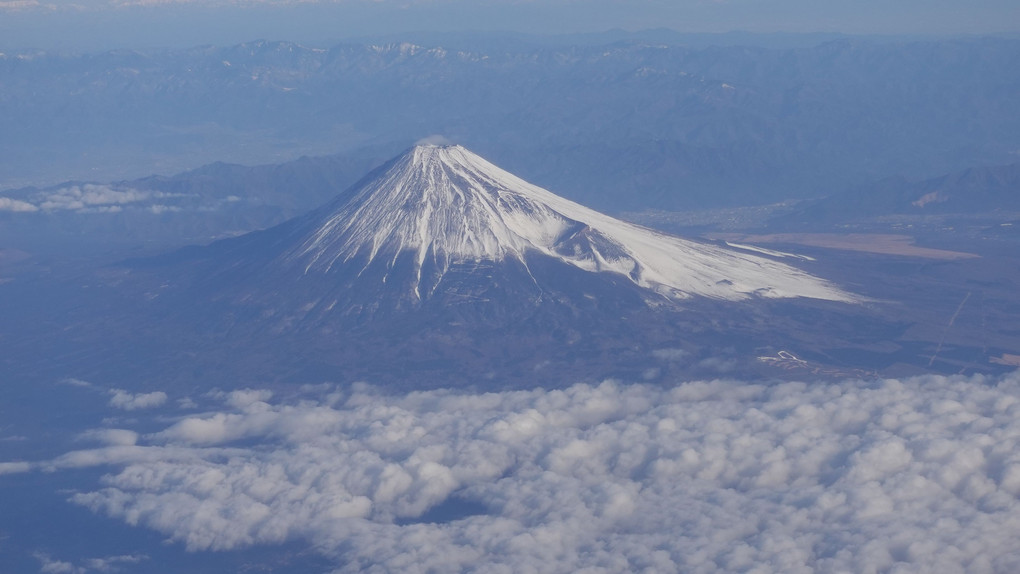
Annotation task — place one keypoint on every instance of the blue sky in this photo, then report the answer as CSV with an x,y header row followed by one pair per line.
x,y
90,24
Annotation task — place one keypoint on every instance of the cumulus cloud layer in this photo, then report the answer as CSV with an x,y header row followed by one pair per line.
x,y
918,475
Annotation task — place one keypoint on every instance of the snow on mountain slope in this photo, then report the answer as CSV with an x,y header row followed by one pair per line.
x,y
447,206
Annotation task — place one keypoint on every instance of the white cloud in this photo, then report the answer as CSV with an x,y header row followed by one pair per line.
x,y
247,397
128,454
918,475
101,209
90,197
671,354
77,383
15,5
435,139
112,436
159,208
14,467
113,563
8,204
122,399
49,565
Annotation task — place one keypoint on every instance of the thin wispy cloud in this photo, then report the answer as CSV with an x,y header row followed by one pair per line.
x,y
77,383
90,198
9,204
110,436
16,5
50,565
14,467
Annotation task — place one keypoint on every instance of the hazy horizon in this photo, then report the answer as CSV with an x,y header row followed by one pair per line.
x,y
101,25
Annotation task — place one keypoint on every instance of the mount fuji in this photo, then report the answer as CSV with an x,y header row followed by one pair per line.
x,y
423,221
442,269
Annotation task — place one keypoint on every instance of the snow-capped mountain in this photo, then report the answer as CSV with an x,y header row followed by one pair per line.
x,y
440,207
441,269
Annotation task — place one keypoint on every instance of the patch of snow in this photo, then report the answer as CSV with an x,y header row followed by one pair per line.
x,y
933,197
771,252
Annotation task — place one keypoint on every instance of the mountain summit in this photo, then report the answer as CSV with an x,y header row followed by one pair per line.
x,y
437,208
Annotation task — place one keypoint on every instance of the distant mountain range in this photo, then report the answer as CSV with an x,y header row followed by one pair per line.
x,y
977,190
155,213
618,125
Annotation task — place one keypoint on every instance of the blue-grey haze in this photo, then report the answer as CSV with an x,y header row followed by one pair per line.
x,y
104,25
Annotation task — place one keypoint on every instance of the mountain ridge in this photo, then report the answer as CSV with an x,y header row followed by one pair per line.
x,y
975,190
